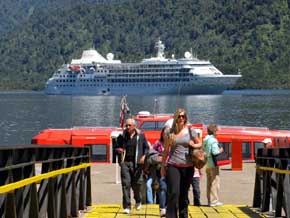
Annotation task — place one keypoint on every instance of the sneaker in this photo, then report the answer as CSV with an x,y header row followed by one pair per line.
x,y
138,206
127,210
216,204
162,212
219,204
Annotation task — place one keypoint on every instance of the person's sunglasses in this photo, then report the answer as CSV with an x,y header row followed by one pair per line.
x,y
181,116
128,125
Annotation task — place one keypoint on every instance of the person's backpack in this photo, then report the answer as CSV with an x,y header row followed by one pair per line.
x,y
151,160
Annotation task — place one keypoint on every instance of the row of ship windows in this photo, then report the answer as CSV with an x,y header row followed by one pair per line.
x,y
148,70
148,80
71,75
127,80
66,75
153,70
81,80
117,74
162,66
121,85
117,71
149,75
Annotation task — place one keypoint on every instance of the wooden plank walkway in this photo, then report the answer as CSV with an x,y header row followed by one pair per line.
x,y
236,192
152,211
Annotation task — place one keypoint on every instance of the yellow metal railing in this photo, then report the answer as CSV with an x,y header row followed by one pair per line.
x,y
272,182
36,179
61,189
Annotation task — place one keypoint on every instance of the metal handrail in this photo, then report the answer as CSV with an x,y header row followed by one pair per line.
x,y
61,190
272,182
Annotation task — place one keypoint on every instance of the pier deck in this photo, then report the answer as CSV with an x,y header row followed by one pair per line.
x,y
152,211
237,189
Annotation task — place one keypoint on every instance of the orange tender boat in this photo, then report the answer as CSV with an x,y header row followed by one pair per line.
x,y
102,140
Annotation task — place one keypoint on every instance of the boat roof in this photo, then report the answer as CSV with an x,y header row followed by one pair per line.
x,y
147,116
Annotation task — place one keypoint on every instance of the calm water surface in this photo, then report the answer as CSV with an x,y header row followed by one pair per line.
x,y
24,114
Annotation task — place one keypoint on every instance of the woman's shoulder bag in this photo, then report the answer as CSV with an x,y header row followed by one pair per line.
x,y
221,159
197,155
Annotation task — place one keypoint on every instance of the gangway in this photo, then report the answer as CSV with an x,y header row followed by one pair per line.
x,y
55,182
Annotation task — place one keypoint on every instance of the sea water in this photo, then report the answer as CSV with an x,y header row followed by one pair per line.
x,y
25,114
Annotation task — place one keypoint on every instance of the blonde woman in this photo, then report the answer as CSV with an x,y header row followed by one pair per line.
x,y
179,166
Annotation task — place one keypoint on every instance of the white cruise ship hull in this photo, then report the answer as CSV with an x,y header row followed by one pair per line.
x,y
200,85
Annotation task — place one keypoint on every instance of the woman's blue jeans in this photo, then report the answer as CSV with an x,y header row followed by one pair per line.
x,y
162,193
149,190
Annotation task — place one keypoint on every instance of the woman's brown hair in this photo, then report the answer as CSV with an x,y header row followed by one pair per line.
x,y
211,129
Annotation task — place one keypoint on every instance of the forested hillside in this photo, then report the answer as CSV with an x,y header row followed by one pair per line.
x,y
252,36
14,13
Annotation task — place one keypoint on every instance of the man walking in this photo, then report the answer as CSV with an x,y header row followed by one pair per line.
x,y
133,146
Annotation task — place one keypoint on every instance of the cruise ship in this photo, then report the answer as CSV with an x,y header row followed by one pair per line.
x,y
94,74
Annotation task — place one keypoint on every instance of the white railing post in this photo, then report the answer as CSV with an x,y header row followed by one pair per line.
x,y
117,176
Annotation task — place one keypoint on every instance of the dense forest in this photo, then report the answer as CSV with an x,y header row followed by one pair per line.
x,y
250,36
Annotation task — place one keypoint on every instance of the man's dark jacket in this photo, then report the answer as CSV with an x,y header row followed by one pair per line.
x,y
142,144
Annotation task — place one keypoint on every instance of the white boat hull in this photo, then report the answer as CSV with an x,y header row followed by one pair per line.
x,y
201,85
